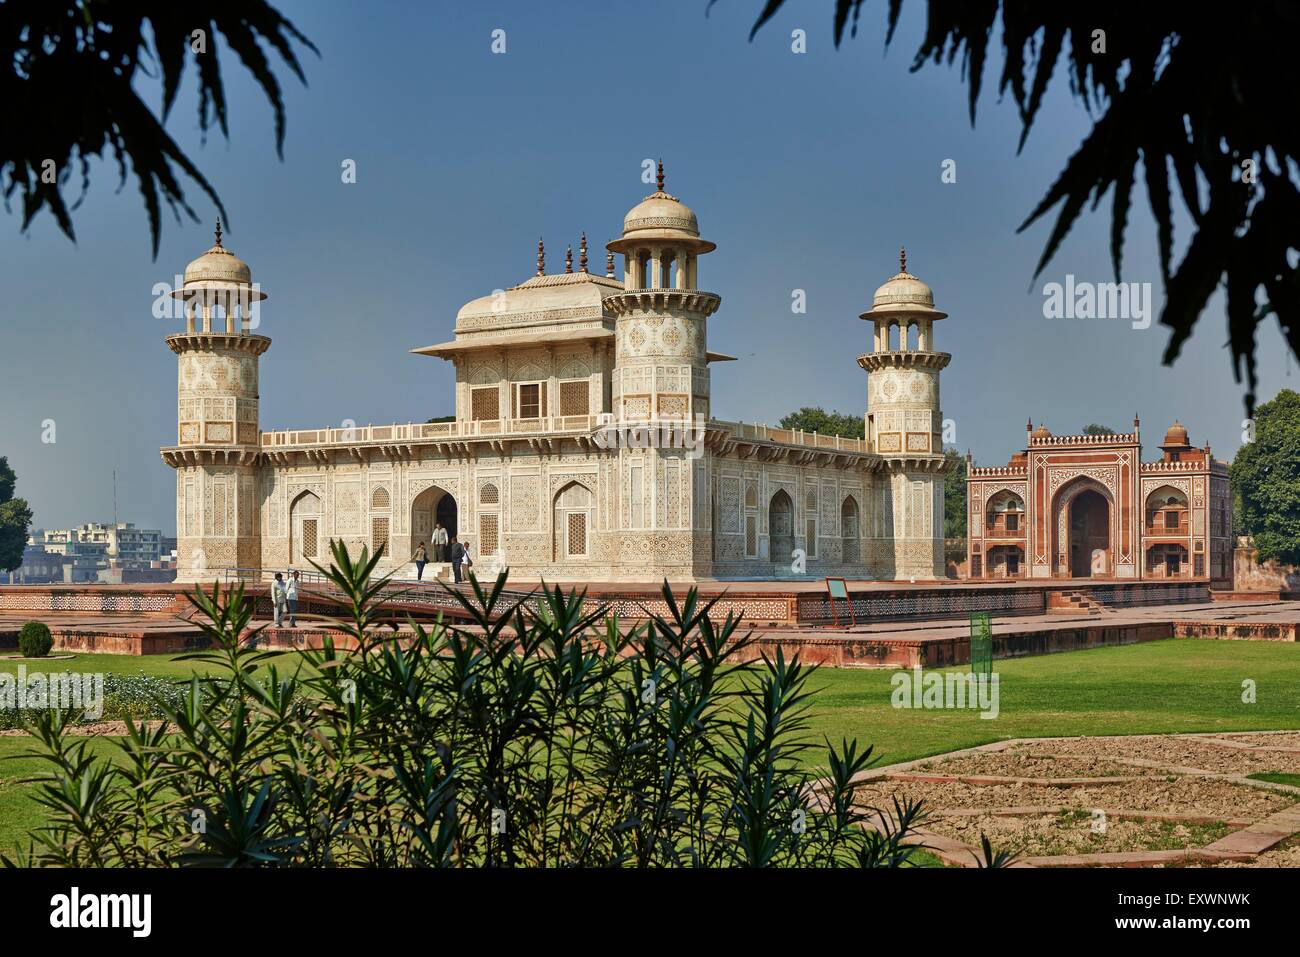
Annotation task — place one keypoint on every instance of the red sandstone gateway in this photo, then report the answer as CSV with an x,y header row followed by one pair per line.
x,y
1087,506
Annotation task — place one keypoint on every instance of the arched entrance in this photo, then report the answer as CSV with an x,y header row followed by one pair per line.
x,y
573,520
430,506
305,543
1089,530
849,530
1082,530
1006,561
1166,512
1167,560
780,527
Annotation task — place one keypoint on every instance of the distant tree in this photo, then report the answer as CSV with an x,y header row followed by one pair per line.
x,y
1199,88
442,418
954,495
1266,480
15,517
1094,429
818,420
74,76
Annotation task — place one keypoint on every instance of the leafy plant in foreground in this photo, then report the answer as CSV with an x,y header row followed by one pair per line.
x,y
538,731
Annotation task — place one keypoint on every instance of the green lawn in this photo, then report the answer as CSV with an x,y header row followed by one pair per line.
x,y
165,666
1166,686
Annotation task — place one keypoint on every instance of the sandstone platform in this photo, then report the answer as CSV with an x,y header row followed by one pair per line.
x,y
894,624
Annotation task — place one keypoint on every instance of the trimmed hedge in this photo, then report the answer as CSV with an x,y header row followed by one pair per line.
x,y
141,697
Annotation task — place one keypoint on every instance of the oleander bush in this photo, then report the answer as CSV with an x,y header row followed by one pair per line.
x,y
35,640
544,732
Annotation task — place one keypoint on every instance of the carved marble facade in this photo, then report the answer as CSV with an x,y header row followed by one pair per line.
x,y
583,446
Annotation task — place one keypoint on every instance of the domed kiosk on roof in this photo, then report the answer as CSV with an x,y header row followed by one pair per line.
x,y
218,285
661,218
1176,437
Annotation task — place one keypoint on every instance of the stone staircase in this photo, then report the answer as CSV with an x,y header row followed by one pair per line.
x,y
1074,602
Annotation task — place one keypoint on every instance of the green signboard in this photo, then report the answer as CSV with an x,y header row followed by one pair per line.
x,y
981,643
837,589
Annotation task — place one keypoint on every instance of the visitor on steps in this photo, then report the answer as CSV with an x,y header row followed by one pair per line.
x,y
420,557
459,556
439,542
279,598
291,599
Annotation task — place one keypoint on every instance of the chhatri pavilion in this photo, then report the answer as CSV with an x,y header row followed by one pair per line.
x,y
584,445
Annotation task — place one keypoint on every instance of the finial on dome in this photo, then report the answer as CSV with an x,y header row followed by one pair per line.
x,y
218,242
902,259
659,176
541,257
582,252
568,259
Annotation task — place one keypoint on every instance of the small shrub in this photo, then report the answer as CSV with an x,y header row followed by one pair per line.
x,y
138,697
143,697
35,640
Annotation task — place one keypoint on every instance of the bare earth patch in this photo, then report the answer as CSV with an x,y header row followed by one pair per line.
x,y
1180,751
1024,763
1261,739
1183,795
95,729
1071,832
1190,794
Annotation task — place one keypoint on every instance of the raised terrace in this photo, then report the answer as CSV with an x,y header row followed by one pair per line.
x,y
891,624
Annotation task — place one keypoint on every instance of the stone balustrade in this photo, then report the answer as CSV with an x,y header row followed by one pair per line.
x,y
468,429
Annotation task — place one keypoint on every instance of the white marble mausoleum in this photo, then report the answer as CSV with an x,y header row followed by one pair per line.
x,y
584,446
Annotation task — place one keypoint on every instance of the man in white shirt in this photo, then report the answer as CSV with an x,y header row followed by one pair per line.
x,y
291,598
440,542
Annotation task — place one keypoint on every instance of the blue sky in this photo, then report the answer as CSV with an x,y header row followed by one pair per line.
x,y
808,171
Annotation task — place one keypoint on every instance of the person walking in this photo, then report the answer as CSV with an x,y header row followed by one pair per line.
x,y
279,598
439,542
420,557
291,599
459,556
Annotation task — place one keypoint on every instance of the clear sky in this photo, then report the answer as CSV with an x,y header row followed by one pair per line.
x,y
808,171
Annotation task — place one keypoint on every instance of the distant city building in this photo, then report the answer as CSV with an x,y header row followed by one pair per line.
x,y
41,567
94,552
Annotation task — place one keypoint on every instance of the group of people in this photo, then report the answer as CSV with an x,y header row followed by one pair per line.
x,y
445,548
284,597
284,593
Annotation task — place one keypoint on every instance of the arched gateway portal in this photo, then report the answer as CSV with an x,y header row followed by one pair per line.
x,y
1089,535
430,506
1081,530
